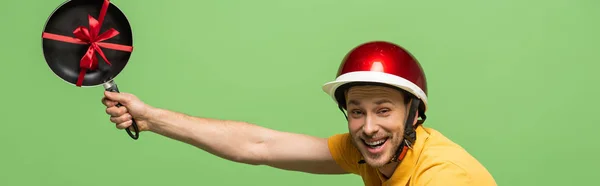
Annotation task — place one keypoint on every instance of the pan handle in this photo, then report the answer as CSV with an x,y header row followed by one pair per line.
x,y
112,87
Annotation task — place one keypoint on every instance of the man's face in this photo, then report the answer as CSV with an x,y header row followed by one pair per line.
x,y
376,117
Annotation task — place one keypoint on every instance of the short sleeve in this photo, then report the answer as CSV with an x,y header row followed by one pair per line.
x,y
344,152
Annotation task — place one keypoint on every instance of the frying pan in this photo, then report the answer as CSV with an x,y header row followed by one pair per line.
x,y
87,43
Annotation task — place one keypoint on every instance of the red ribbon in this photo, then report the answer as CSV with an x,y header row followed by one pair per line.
x,y
91,37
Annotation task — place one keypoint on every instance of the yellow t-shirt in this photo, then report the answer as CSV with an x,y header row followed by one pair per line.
x,y
434,160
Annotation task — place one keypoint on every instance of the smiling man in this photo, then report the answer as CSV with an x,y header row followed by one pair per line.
x,y
382,91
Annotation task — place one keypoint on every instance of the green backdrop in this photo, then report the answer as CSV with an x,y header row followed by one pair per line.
x,y
514,82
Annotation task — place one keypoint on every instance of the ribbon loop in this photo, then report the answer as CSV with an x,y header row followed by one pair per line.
x,y
82,33
110,33
94,27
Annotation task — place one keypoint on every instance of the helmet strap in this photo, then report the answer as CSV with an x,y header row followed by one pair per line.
x,y
342,109
410,135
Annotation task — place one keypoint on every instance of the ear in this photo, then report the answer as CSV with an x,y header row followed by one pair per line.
x,y
416,117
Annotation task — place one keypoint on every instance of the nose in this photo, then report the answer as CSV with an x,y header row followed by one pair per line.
x,y
370,127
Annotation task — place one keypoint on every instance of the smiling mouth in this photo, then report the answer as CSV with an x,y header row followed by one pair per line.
x,y
374,144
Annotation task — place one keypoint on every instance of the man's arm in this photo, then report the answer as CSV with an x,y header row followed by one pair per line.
x,y
247,143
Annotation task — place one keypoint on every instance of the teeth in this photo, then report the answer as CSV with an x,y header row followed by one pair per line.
x,y
375,142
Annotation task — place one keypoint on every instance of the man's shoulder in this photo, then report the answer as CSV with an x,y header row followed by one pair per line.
x,y
441,159
449,172
342,144
438,146
344,152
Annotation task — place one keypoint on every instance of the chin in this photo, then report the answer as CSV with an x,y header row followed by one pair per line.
x,y
378,159
378,162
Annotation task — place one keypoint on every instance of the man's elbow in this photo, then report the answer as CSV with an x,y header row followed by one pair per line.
x,y
247,160
244,160
255,154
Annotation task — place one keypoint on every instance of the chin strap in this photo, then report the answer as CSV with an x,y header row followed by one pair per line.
x,y
410,135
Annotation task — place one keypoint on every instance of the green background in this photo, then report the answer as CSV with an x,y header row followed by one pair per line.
x,y
514,82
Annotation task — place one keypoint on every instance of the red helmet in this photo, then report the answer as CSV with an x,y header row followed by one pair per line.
x,y
384,63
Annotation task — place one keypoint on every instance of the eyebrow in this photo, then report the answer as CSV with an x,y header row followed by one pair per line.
x,y
353,102
379,102
384,101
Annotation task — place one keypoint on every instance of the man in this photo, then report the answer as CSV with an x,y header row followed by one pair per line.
x,y
380,86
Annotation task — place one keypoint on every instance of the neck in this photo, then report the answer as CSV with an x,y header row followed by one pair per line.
x,y
388,170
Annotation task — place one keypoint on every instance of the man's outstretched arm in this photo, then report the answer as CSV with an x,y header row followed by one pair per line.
x,y
247,143
232,140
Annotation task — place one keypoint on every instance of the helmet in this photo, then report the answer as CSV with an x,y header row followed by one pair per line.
x,y
383,63
386,64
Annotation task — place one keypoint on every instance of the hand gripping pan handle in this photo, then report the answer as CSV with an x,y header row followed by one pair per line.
x,y
112,87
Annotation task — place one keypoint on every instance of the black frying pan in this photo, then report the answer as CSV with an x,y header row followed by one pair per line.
x,y
88,43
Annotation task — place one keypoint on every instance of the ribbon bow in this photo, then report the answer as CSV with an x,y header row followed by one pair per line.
x,y
91,37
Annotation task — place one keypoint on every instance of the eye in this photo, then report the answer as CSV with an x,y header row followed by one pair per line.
x,y
383,111
356,113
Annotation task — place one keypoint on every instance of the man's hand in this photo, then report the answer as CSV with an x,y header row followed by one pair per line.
x,y
132,108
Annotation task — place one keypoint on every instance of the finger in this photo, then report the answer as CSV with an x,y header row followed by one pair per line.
x,y
108,103
120,119
118,97
124,125
116,111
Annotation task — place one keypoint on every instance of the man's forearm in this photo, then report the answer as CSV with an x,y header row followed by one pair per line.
x,y
232,140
